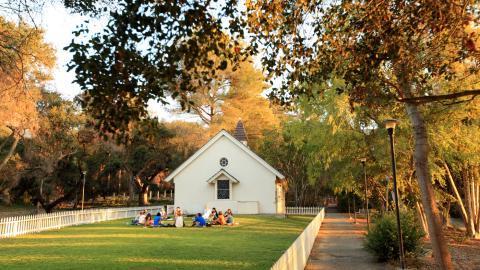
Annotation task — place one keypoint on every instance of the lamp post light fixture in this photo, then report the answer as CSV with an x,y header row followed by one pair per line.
x,y
83,187
364,160
390,126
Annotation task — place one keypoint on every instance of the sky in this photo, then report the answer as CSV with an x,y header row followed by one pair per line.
x,y
59,24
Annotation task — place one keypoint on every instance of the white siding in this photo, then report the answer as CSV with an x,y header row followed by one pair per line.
x,y
257,183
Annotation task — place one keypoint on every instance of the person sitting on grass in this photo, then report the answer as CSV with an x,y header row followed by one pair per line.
x,y
137,218
220,220
214,213
163,214
148,220
199,221
209,219
157,220
140,219
229,217
212,218
206,213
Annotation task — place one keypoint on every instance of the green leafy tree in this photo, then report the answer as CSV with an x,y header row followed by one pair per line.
x,y
455,161
393,51
291,159
148,155
151,49
53,157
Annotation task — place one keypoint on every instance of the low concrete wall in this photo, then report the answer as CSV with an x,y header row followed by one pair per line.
x,y
238,207
296,256
223,205
248,207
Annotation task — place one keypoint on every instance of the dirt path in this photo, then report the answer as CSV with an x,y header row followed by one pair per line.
x,y
339,245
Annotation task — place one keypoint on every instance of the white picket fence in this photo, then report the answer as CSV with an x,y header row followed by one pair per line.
x,y
296,256
13,226
314,210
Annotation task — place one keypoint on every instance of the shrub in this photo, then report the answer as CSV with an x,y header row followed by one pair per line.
x,y
382,238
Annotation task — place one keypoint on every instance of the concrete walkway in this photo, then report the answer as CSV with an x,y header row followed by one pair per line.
x,y
339,245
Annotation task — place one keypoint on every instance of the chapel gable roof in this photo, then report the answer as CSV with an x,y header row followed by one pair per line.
x,y
222,172
212,141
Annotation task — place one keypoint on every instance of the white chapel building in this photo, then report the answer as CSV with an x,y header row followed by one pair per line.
x,y
225,173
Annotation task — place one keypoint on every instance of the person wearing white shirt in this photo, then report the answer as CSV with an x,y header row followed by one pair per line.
x,y
142,218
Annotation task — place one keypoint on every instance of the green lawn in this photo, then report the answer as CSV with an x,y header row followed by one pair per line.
x,y
256,243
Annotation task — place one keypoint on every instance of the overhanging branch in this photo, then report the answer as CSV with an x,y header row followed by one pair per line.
x,y
427,99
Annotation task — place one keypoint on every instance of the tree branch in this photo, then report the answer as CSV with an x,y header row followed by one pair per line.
x,y
10,153
427,99
6,140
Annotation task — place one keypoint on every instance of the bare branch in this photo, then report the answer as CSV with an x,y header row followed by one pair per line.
x,y
427,99
6,140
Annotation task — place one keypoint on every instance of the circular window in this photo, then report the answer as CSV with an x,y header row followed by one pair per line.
x,y
223,162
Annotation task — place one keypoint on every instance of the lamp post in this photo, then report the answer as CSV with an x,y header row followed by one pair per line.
x,y
83,188
364,160
386,195
348,203
354,210
390,126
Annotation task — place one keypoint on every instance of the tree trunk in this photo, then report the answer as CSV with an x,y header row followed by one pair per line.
x,y
143,190
109,177
475,201
446,214
131,190
422,218
476,179
143,195
5,197
16,139
469,203
41,194
5,141
473,193
418,206
456,193
120,173
49,206
295,194
348,203
75,204
439,245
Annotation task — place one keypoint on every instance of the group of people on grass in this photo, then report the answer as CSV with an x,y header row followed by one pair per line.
x,y
146,219
207,219
212,217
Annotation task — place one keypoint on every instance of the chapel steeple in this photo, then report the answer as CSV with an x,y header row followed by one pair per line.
x,y
240,133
